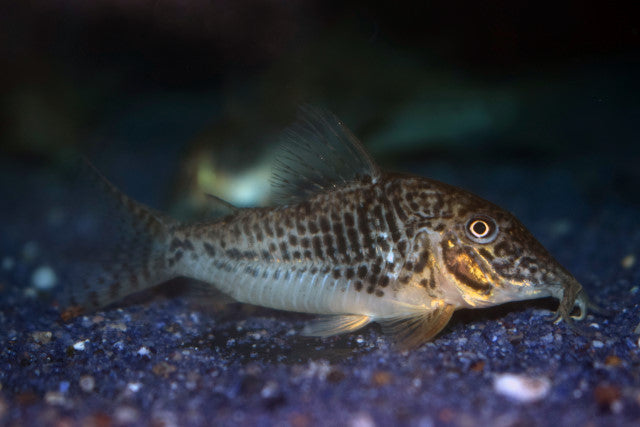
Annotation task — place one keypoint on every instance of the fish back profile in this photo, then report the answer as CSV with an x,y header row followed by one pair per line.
x,y
347,241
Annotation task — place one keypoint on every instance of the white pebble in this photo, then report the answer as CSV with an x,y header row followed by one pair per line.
x,y
87,383
362,420
597,344
143,351
134,387
522,388
44,278
80,345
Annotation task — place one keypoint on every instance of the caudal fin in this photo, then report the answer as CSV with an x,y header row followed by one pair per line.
x,y
118,248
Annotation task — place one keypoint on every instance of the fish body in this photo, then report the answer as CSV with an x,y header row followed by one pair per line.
x,y
347,241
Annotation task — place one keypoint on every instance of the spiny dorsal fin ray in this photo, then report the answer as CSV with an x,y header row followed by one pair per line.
x,y
326,326
318,153
411,332
220,205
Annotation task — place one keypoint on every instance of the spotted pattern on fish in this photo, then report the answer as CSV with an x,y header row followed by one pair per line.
x,y
349,241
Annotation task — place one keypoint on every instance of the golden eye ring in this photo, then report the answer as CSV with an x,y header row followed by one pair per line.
x,y
481,229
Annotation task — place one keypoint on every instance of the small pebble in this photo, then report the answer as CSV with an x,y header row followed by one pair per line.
x,y
613,361
134,387
163,369
597,344
80,345
143,351
41,337
608,397
126,415
44,278
55,398
362,420
270,390
63,387
87,383
381,378
522,388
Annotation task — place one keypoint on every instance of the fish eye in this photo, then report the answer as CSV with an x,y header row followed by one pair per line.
x,y
481,229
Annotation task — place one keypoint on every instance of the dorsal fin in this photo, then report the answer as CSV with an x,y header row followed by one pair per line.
x,y
318,153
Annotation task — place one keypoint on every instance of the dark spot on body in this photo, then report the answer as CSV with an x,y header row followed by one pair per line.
x,y
375,269
379,293
233,253
328,245
324,224
358,285
279,230
336,273
341,242
402,247
258,232
348,219
362,271
317,248
384,281
267,228
293,240
208,248
284,251
235,230
502,249
349,273
352,236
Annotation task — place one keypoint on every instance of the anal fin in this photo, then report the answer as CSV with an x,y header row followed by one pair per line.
x,y
326,326
411,332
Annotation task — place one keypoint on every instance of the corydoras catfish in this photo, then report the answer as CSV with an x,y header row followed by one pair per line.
x,y
347,241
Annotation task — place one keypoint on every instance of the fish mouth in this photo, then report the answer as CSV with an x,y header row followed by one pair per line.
x,y
572,296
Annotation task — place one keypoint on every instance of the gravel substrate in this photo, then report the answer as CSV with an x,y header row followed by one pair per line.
x,y
162,359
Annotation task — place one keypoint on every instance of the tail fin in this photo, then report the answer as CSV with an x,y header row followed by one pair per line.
x,y
118,247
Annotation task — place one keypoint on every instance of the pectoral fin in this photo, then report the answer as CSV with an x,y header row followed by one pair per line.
x,y
410,332
327,326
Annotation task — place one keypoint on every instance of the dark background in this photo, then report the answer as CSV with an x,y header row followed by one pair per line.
x,y
532,105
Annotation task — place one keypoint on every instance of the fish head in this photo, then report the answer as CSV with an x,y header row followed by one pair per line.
x,y
490,258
